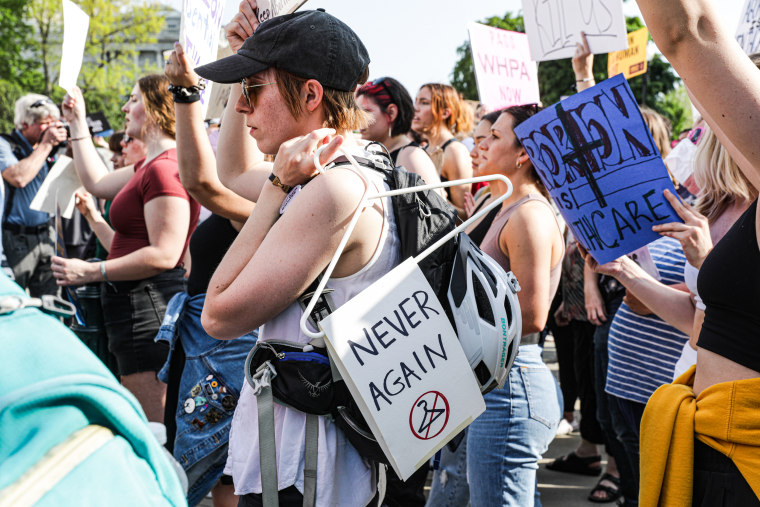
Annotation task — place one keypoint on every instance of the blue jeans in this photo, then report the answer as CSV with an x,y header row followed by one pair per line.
x,y
505,443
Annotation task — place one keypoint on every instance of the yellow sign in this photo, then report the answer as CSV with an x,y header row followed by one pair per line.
x,y
632,61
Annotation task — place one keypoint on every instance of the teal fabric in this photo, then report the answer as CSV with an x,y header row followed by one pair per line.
x,y
53,386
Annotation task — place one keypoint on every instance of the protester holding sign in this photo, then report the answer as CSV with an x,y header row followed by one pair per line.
x,y
440,114
153,217
506,442
392,109
292,112
710,412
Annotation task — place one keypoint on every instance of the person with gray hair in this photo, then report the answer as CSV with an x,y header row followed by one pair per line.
x,y
26,156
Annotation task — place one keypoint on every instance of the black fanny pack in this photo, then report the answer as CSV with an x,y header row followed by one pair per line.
x,y
301,377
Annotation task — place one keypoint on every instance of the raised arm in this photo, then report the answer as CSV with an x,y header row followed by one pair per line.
x,y
583,65
670,304
240,163
197,165
89,166
713,66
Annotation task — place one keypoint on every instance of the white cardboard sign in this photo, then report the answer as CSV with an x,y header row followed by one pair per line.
x,y
748,31
75,25
505,73
58,189
554,26
199,33
401,359
268,9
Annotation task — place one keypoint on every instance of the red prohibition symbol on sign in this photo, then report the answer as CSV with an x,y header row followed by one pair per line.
x,y
429,415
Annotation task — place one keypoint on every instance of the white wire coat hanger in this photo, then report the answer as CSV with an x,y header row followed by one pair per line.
x,y
366,197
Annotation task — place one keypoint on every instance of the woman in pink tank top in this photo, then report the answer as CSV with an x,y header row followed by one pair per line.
x,y
505,443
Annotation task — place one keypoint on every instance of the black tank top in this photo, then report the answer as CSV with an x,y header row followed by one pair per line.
x,y
395,153
208,244
729,284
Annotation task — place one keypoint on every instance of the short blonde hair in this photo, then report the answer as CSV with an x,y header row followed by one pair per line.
x,y
340,107
24,113
719,178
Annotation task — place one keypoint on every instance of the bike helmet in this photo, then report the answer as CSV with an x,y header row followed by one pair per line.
x,y
486,313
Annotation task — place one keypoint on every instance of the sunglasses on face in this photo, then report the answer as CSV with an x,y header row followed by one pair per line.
x,y
250,97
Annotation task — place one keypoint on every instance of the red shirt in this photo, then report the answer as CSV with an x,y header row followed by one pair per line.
x,y
157,178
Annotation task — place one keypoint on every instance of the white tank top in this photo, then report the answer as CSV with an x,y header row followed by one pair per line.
x,y
343,477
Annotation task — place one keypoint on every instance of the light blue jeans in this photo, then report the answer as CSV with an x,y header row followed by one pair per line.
x,y
505,443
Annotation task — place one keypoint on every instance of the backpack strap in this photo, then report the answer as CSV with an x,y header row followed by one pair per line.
x,y
310,461
267,448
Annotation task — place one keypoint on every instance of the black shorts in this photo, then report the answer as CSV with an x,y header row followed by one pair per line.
x,y
133,311
717,481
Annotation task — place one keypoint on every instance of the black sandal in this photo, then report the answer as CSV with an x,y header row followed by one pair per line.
x,y
611,493
574,464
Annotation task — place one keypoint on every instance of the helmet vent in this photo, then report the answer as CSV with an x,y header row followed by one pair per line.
x,y
481,299
482,373
508,308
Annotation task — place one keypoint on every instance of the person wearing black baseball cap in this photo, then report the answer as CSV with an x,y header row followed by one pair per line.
x,y
298,74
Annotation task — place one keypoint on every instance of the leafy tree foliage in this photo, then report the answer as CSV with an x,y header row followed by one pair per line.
x,y
556,78
110,60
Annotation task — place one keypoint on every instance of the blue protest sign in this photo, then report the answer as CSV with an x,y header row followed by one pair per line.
x,y
596,156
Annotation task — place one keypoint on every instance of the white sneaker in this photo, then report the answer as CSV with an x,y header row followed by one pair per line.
x,y
564,427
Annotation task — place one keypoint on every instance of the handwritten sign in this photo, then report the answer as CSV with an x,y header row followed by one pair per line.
x,y
199,33
595,155
631,62
268,9
505,73
554,26
748,31
401,359
75,25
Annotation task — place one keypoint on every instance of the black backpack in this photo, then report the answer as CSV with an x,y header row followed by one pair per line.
x,y
300,375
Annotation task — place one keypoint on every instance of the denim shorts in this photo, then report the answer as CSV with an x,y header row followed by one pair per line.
x,y
132,312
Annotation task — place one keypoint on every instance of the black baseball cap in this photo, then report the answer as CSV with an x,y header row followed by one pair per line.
x,y
309,44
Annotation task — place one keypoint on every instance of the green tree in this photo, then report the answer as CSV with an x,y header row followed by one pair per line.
x,y
556,77
110,65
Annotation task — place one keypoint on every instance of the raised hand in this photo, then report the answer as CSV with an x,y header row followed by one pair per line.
x,y
178,69
693,234
583,63
74,109
294,164
243,24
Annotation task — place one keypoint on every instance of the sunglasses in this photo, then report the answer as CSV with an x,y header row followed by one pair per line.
x,y
41,102
248,95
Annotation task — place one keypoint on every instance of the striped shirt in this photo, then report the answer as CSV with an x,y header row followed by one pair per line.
x,y
643,349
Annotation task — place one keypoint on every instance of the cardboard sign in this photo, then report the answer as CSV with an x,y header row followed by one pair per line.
x,y
555,26
75,25
58,189
748,31
401,359
631,62
199,33
597,159
505,74
268,9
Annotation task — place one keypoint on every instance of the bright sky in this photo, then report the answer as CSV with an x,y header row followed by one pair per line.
x,y
415,41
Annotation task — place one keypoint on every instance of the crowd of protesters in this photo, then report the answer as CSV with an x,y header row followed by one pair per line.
x,y
197,260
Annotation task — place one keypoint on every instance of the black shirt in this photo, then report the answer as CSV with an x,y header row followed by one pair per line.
x,y
208,244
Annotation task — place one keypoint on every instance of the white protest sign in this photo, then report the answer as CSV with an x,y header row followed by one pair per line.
x,y
75,25
268,9
505,73
58,189
401,359
199,33
748,31
555,26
